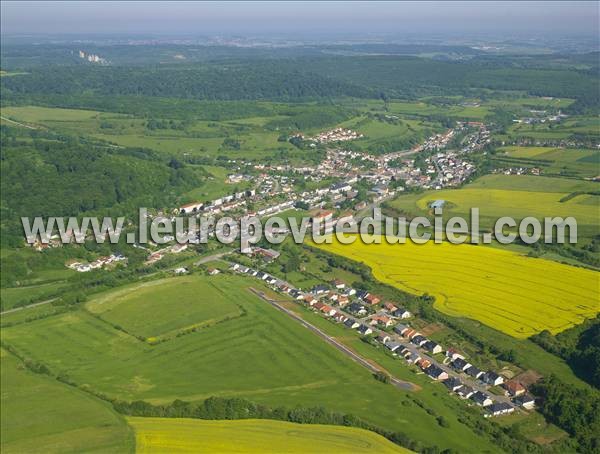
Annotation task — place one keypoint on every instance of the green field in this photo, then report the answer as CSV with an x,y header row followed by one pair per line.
x,y
159,435
517,196
168,305
514,294
263,356
553,161
40,414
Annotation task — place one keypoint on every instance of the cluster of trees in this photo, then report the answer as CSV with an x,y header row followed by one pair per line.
x,y
573,409
47,175
579,346
256,80
154,123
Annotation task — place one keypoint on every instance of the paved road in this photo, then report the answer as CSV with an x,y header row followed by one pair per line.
x,y
16,309
17,123
210,258
405,386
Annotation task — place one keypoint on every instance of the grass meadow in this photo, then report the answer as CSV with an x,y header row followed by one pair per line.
x,y
263,356
169,306
159,435
42,414
517,295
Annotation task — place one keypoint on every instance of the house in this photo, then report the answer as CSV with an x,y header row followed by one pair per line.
x,y
327,310
318,305
383,338
432,347
465,392
492,378
410,333
333,296
393,346
500,408
297,294
362,294
481,399
514,388
267,254
213,271
310,300
343,300
400,329
351,323
357,309
364,330
474,372
381,320
453,384
372,300
262,275
340,317
436,373
418,340
401,313
180,270
460,364
412,357
349,291
338,284
525,401
319,289
390,307
423,363
453,354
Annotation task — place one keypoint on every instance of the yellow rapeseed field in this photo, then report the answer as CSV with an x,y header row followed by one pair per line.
x,y
510,292
169,435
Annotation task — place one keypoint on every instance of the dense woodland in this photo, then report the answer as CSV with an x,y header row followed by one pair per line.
x,y
311,78
80,178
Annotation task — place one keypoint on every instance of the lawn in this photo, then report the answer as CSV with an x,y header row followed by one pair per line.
x,y
515,294
159,435
40,414
168,305
263,356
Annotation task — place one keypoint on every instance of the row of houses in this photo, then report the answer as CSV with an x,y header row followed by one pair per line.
x,y
317,299
96,264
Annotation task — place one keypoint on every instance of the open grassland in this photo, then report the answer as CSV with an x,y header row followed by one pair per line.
x,y
263,356
168,305
40,414
159,435
557,161
517,295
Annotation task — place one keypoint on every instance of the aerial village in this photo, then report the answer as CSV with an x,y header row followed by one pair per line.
x,y
388,325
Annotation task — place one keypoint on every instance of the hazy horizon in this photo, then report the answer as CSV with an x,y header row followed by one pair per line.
x,y
300,18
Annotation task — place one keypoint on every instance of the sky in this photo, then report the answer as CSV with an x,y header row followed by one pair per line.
x,y
262,18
